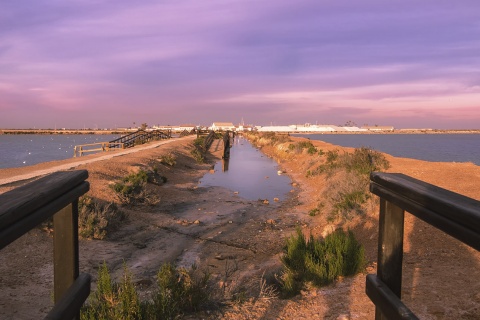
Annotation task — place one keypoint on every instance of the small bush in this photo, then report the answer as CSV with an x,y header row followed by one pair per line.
x,y
112,300
197,155
168,159
95,219
347,194
178,291
132,189
320,262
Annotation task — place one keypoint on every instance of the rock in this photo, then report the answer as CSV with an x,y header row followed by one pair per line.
x,y
266,201
196,222
230,221
270,221
276,199
436,310
343,317
294,184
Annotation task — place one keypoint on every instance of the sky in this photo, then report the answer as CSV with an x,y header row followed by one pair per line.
x,y
107,64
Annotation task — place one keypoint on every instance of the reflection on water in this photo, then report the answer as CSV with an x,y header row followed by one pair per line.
x,y
250,173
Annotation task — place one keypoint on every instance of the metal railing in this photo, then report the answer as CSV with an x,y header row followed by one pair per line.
x,y
454,214
25,207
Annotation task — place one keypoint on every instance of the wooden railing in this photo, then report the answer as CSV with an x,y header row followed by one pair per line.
x,y
141,137
96,147
228,136
455,214
126,141
23,208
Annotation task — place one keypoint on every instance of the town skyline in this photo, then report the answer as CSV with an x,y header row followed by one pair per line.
x,y
82,64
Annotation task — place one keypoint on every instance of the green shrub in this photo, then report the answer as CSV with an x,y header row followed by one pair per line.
x,y
112,300
178,291
197,155
96,219
347,175
198,142
132,189
168,159
320,262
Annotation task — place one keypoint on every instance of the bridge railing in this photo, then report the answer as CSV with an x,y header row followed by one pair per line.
x,y
25,207
141,137
455,214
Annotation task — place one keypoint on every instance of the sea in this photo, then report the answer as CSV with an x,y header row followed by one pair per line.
x,y
29,149
429,147
19,150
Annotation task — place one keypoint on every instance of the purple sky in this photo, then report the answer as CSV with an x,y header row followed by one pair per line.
x,y
79,63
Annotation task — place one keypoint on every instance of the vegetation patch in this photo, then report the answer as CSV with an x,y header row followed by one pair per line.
x,y
132,189
96,219
178,291
347,194
268,138
319,262
168,159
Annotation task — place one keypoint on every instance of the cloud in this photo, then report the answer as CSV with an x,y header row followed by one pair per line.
x,y
268,61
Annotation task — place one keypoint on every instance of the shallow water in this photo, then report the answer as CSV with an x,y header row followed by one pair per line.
x,y
250,173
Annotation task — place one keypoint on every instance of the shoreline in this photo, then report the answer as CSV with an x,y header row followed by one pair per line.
x,y
16,174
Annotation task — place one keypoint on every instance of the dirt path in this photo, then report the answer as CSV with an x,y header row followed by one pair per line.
x,y
216,229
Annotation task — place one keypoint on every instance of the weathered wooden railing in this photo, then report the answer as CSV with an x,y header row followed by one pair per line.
x,y
96,147
23,208
455,214
141,137
228,136
208,140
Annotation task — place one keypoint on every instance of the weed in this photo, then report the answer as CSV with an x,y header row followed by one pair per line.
x,y
319,262
112,300
132,189
168,159
197,155
347,194
95,219
178,291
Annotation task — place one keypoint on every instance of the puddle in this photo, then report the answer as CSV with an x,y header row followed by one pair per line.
x,y
250,173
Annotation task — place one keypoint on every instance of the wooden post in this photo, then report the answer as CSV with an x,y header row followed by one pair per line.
x,y
65,250
390,248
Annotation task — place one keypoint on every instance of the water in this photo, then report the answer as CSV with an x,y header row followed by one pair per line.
x,y
29,149
429,147
250,173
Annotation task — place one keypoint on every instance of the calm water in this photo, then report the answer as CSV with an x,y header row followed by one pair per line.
x,y
252,174
429,147
28,149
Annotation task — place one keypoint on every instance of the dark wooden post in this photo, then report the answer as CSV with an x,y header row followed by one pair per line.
x,y
65,251
390,248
